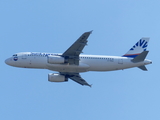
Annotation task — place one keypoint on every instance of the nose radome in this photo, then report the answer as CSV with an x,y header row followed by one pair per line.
x,y
7,61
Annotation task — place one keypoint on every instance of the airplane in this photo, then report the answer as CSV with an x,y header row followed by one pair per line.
x,y
71,63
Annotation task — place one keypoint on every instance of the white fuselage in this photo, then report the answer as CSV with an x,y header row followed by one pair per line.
x,y
86,62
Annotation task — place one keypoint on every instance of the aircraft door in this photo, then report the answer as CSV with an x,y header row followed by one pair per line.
x,y
120,61
24,56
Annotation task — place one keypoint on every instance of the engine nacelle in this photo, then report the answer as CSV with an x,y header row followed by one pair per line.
x,y
56,59
55,77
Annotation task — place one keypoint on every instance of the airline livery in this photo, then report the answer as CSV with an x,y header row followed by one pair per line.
x,y
71,63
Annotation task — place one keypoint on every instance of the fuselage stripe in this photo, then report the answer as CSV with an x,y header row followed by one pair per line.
x,y
131,55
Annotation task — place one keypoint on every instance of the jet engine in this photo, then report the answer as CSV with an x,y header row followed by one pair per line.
x,y
55,77
56,59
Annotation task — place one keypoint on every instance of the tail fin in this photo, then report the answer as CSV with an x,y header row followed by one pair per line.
x,y
138,48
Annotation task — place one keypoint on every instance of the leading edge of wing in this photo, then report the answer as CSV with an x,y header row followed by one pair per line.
x,y
72,53
77,78
77,47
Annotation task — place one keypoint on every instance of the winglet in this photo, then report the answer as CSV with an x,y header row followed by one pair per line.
x,y
89,85
140,57
91,31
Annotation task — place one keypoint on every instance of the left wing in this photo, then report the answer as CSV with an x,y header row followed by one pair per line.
x,y
76,77
72,53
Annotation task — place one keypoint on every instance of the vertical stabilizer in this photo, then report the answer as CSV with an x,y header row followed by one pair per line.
x,y
138,48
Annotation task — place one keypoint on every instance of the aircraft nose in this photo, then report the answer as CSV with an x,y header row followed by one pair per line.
x,y
8,61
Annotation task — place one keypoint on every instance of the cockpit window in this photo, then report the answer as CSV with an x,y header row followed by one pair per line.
x,y
15,55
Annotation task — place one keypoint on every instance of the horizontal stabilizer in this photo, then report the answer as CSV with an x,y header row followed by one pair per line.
x,y
140,57
143,68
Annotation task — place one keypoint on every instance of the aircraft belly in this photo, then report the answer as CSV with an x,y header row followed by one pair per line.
x,y
37,63
101,65
68,68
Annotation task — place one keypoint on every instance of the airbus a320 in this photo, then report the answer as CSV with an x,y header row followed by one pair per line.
x,y
71,63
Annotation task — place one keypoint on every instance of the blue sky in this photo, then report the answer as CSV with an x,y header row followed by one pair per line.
x,y
52,26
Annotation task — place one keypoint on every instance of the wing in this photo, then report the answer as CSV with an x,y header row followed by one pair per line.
x,y
72,53
76,77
